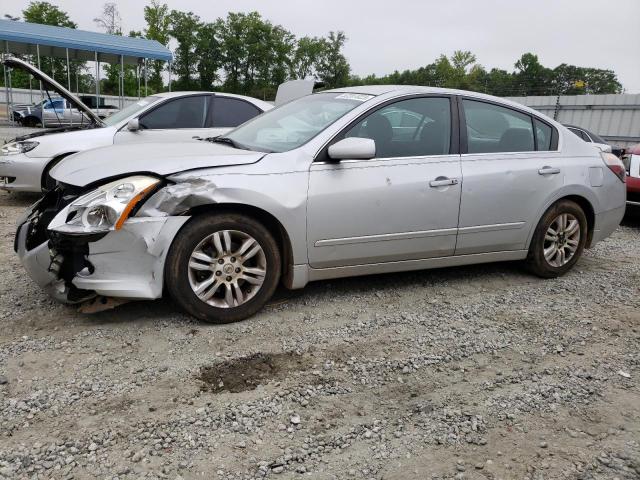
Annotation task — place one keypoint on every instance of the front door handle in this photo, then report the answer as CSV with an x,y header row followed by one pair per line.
x,y
443,182
548,171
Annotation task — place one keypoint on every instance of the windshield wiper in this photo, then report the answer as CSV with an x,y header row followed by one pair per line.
x,y
228,141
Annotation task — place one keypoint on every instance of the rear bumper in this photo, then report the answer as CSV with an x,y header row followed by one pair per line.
x,y
20,173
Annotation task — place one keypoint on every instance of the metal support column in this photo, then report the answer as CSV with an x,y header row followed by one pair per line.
x,y
68,71
145,78
138,77
121,100
97,83
41,90
69,87
169,75
6,89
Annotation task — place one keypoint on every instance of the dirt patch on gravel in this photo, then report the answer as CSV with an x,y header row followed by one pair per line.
x,y
246,373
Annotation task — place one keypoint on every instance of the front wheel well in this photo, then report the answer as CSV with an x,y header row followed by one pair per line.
x,y
265,218
587,208
52,163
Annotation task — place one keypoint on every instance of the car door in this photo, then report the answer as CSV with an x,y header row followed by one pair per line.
x,y
53,112
401,205
176,119
510,167
229,112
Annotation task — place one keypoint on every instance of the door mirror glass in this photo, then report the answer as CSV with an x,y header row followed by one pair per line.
x,y
133,125
355,148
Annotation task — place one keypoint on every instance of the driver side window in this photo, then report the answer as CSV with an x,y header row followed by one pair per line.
x,y
409,128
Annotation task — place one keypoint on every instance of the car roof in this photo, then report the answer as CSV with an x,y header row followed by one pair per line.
x,y
256,101
378,90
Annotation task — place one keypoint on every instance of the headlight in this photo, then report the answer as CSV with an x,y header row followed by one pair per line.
x,y
107,207
12,148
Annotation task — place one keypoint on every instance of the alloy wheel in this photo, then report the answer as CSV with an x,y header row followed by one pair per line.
x,y
561,240
227,268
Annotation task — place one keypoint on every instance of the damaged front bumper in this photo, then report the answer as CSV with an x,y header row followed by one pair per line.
x,y
126,263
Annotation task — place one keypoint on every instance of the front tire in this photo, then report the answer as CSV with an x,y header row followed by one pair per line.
x,y
223,268
558,241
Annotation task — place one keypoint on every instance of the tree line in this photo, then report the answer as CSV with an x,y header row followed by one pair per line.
x,y
247,54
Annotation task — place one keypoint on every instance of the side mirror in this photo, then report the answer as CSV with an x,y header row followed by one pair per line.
x,y
133,125
355,148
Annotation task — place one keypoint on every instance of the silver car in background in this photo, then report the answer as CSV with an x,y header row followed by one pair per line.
x,y
345,182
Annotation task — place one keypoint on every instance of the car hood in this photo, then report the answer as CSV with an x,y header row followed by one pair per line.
x,y
49,82
161,159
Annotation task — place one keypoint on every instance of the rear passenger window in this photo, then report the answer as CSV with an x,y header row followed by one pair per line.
x,y
231,112
491,128
543,135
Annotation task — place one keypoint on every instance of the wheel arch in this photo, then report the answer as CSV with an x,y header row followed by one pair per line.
x,y
275,227
50,164
583,202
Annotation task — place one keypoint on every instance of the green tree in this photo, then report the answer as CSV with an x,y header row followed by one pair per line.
x,y
184,29
531,78
208,50
48,14
158,25
307,56
334,68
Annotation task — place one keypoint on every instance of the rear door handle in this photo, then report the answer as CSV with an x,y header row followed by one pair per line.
x,y
443,182
548,171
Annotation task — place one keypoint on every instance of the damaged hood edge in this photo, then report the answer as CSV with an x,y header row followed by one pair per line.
x,y
161,159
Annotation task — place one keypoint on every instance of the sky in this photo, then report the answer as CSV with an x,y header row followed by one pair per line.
x,y
388,35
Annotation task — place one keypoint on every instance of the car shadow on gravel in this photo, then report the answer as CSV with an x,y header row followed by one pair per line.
x,y
481,275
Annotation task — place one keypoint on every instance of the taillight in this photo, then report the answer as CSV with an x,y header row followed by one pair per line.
x,y
615,165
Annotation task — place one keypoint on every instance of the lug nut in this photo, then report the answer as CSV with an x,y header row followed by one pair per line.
x,y
237,270
233,259
228,279
220,261
218,273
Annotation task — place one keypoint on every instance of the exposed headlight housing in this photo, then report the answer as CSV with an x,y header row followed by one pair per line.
x,y
105,208
13,148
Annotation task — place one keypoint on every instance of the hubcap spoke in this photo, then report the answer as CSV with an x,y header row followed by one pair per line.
x,y
217,243
199,266
254,276
227,241
550,252
248,243
207,294
573,227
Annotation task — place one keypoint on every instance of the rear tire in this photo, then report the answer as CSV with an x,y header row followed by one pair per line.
x,y
558,240
223,268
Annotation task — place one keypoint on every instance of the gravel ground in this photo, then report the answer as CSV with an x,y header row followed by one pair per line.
x,y
481,372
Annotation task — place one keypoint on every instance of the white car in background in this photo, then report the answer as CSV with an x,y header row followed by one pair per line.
x,y
25,162
590,137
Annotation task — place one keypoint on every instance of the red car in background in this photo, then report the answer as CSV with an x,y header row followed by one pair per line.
x,y
631,160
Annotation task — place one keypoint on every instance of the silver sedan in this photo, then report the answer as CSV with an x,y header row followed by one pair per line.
x,y
345,182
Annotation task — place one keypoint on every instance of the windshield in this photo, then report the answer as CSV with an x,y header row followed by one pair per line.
x,y
295,123
129,111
